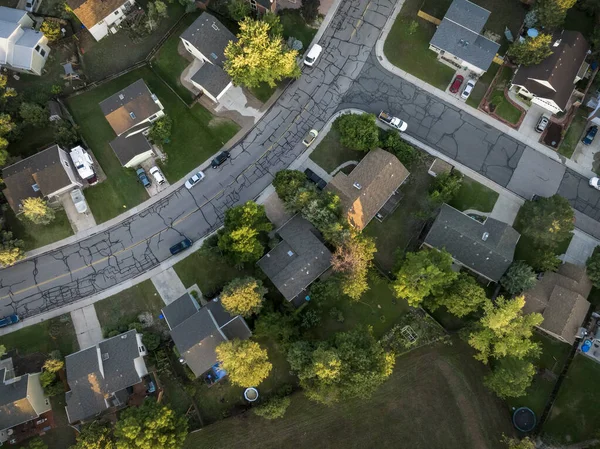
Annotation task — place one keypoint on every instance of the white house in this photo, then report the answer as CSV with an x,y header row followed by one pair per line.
x,y
101,17
22,48
551,83
130,112
206,40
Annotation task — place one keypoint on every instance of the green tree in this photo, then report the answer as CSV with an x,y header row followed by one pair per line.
x,y
518,278
547,221
6,124
510,377
161,130
37,443
532,50
445,187
246,363
423,273
273,408
310,10
358,131
257,57
2,350
243,296
96,435
352,260
238,9
392,142
281,328
161,9
287,183
150,426
51,30
33,114
462,297
351,364
275,26
65,134
551,14
513,443
151,340
11,249
504,331
593,267
3,154
241,235
37,211
543,258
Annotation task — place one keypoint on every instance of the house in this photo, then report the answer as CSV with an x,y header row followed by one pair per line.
x,y
367,189
263,6
551,83
206,40
46,174
22,48
25,410
487,248
130,112
101,17
100,376
458,40
197,331
298,260
561,299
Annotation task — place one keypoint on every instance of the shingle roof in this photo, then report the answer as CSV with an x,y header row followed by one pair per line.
x,y
559,69
468,14
90,12
212,78
15,408
129,107
210,37
462,237
126,148
179,310
11,15
44,169
297,260
379,174
561,299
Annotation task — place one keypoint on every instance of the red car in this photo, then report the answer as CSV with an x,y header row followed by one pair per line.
x,y
456,84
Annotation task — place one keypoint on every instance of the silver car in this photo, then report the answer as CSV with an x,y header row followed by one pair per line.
x,y
468,89
194,180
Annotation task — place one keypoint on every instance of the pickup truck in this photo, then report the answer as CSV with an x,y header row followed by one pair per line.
x,y
394,122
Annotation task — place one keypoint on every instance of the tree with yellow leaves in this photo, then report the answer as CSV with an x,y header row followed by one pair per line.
x,y
246,363
243,296
37,211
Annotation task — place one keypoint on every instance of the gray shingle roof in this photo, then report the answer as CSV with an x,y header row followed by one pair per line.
x,y
179,310
212,78
297,260
210,37
15,408
126,148
468,14
462,237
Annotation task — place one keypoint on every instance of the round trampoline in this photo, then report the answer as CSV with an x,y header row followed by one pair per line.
x,y
524,419
251,394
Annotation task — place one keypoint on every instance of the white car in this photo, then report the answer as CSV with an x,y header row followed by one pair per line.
x,y
468,89
157,175
595,182
30,5
79,201
194,180
310,137
312,55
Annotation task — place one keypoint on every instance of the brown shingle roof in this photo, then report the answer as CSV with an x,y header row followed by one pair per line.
x,y
379,175
90,12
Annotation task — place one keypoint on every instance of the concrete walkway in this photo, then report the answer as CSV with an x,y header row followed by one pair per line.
x,y
168,285
506,209
87,326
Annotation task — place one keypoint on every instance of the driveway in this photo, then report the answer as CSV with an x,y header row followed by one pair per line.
x,y
581,248
168,285
79,222
587,155
505,209
536,175
530,121
87,326
154,188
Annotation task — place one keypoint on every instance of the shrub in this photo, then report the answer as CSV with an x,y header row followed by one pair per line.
x,y
358,131
273,408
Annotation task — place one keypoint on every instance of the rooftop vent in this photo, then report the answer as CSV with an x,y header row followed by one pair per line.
x,y
121,97
214,56
132,115
35,188
105,356
215,27
557,43
485,236
290,253
123,337
357,185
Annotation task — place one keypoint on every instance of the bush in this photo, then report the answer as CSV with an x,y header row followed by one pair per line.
x,y
593,267
273,408
310,318
392,142
358,131
518,278
151,340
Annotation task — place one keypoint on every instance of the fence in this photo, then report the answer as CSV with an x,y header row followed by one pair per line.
x,y
428,17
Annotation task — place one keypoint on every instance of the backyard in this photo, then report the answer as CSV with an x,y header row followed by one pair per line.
x,y
437,384
330,153
195,137
574,133
36,235
473,195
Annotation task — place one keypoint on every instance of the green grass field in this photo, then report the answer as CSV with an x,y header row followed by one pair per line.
x,y
45,337
504,108
574,134
330,153
473,195
35,236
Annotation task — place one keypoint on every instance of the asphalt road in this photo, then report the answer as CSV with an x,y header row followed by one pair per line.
x,y
347,75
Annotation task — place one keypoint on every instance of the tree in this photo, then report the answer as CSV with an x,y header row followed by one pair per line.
x,y
161,9
243,296
6,124
287,183
352,260
96,435
161,130
358,131
246,363
423,273
513,443
54,365
275,26
551,13
504,331
11,249
518,278
243,228
33,114
532,50
593,267
351,364
544,259
37,211
2,350
3,153
37,443
150,426
511,377
462,297
238,9
273,408
151,340
47,378
282,328
547,221
257,57
51,30
310,10
445,187
406,153
65,134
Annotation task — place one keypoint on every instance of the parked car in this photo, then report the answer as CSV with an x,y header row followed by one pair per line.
x,y
310,137
312,55
184,244
8,320
542,123
141,174
468,89
392,121
157,175
221,157
595,183
30,5
316,179
195,179
456,83
589,137
79,201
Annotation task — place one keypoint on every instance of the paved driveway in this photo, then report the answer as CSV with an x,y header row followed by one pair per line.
x,y
581,248
531,120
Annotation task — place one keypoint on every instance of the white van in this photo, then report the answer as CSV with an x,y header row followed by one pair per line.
x,y
312,55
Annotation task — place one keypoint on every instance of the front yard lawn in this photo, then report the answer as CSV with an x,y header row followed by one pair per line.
x,y
330,153
575,414
573,136
195,137
263,92
483,83
45,337
294,25
504,108
35,236
433,399
473,195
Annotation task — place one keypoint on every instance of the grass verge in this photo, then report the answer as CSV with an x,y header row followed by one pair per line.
x,y
473,195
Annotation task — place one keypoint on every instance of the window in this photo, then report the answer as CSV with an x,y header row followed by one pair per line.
x,y
35,188
66,164
117,12
214,56
132,115
152,118
43,52
37,48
